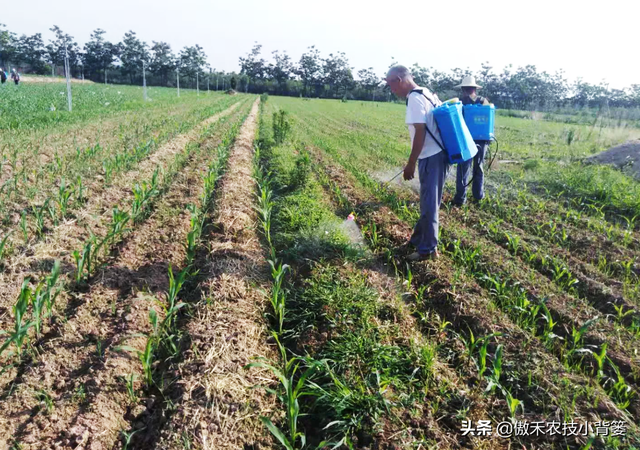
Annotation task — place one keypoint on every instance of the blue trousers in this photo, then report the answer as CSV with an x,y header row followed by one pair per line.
x,y
432,173
462,176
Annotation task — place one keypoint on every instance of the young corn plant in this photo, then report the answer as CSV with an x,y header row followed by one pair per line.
x,y
293,388
175,286
264,208
618,389
119,220
278,300
562,276
83,261
39,215
21,328
147,355
193,237
549,325
601,358
4,249
574,345
513,242
143,195
494,378
79,192
65,192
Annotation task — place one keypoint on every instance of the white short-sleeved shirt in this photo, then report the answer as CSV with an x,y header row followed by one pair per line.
x,y
419,110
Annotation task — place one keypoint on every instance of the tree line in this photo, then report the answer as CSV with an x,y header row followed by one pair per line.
x,y
312,75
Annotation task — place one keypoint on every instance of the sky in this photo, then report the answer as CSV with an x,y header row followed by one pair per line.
x,y
587,39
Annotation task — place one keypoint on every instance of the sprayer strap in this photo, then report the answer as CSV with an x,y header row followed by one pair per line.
x,y
420,91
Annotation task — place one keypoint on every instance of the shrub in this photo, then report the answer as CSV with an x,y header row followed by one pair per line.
x,y
264,97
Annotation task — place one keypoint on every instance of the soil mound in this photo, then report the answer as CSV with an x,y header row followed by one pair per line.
x,y
625,157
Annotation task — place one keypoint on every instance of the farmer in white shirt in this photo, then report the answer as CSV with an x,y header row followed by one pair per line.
x,y
429,155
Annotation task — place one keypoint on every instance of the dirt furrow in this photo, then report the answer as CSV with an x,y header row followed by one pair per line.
x,y
83,371
601,292
219,408
94,215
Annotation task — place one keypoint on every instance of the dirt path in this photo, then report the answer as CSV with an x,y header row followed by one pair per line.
x,y
219,408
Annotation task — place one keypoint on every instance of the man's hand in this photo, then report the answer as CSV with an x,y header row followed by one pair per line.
x,y
409,170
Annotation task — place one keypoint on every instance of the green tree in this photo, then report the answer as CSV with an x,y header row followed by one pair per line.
x,y
337,74
368,80
133,53
281,71
99,55
7,45
191,61
309,69
30,50
63,43
163,61
252,65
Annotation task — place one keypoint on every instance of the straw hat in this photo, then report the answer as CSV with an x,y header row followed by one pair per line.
x,y
469,81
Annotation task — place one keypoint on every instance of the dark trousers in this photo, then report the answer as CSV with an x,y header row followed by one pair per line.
x,y
462,176
432,173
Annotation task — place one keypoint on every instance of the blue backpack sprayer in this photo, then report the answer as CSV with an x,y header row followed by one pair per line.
x,y
459,127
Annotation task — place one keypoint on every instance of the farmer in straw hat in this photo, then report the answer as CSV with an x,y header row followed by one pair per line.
x,y
470,97
427,154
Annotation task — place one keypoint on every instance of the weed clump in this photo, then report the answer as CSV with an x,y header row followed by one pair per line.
x,y
281,126
300,174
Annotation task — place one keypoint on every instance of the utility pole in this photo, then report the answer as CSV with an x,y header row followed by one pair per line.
x,y
144,80
208,80
216,81
198,82
178,80
66,69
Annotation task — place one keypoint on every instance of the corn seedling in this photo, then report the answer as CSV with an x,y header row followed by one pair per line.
x,y
142,196
83,261
494,378
290,394
127,438
618,388
576,338
600,358
129,381
38,214
621,313
175,286
119,219
278,300
21,328
549,325
3,245
563,276
45,400
64,195
146,356
512,403
80,191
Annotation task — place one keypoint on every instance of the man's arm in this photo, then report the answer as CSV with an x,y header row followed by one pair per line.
x,y
416,149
